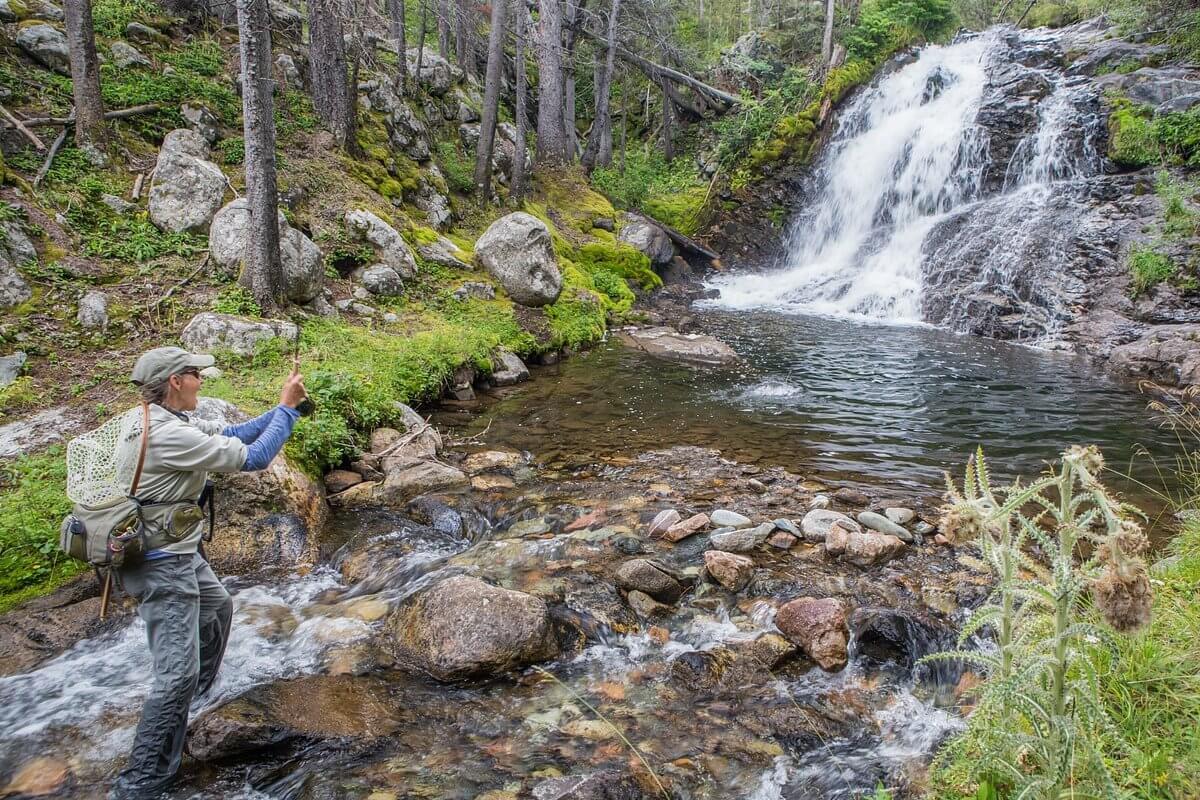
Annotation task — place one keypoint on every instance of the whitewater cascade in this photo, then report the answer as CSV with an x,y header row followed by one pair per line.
x,y
921,212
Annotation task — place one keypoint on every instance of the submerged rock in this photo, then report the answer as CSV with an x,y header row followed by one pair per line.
x,y
818,626
645,576
668,343
462,628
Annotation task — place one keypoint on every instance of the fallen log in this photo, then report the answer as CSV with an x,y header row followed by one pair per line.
x,y
54,148
121,113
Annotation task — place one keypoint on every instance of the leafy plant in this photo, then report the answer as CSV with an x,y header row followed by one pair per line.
x,y
1040,728
232,150
458,168
32,502
1149,268
236,299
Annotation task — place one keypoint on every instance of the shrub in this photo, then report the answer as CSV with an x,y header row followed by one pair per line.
x,y
1148,267
458,168
887,25
1139,139
236,299
232,150
33,501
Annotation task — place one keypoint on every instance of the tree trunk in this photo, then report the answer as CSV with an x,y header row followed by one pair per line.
x,y
491,101
262,270
517,183
85,73
624,123
421,38
396,19
443,21
573,9
462,47
551,129
599,146
333,97
667,133
827,39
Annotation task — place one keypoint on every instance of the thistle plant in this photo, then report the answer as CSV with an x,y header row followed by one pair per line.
x,y
1065,555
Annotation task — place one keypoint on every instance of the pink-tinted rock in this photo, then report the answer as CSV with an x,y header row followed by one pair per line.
x,y
861,548
663,521
730,570
339,480
782,540
818,626
682,530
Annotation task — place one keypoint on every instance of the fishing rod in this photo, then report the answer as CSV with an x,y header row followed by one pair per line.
x,y
306,406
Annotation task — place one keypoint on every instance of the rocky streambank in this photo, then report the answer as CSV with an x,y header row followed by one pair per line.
x,y
505,632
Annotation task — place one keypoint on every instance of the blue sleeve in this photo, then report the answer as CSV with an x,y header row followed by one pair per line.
x,y
268,443
247,432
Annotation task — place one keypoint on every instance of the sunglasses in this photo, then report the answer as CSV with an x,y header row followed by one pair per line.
x,y
195,373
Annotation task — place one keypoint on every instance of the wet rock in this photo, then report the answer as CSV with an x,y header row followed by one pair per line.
x,y
604,785
662,522
861,548
491,460
187,189
880,523
526,528
1169,355
462,627
382,280
818,626
93,311
684,529
125,55
820,502
1150,86
884,636
46,626
851,497
387,241
816,524
339,480
303,264
900,516
667,343
645,576
724,518
309,708
587,521
923,528
508,369
516,250
645,606
782,540
438,515
37,778
743,540
643,235
731,571
209,331
406,478
10,367
46,45
787,525
1115,53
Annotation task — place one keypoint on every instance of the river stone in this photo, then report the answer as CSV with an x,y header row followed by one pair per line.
x,y
817,626
880,523
787,525
670,344
10,367
725,518
731,571
387,241
186,189
93,311
820,501
125,55
406,478
647,577
527,527
923,528
861,548
648,238
508,369
816,524
339,480
603,785
684,529
303,265
516,250
646,606
900,516
462,628
662,521
851,497
743,540
491,460
782,540
46,45
37,778
382,280
209,331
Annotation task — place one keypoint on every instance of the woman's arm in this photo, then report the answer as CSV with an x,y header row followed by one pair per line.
x,y
270,441
248,431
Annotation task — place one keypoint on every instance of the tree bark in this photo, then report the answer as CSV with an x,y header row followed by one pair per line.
x,y
262,270
599,146
624,123
827,38
572,37
517,183
462,44
85,73
667,132
333,96
421,38
443,21
396,20
491,101
551,129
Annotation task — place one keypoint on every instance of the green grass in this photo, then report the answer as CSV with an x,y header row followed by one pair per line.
x,y
458,167
1148,268
1138,139
33,502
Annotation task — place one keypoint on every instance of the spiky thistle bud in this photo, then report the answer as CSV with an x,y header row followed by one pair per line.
x,y
1123,595
1088,458
962,522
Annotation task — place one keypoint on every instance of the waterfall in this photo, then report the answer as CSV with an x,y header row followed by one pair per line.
x,y
922,200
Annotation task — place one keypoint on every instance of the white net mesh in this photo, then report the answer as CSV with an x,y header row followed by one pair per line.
x,y
101,463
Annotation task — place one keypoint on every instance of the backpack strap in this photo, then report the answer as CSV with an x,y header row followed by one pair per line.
x,y
141,462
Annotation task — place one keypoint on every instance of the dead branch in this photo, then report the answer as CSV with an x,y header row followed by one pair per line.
x,y
54,148
30,135
154,306
121,113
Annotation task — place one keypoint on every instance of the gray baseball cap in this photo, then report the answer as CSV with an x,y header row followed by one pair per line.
x,y
163,362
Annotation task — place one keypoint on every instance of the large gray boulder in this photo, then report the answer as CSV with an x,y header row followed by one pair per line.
x,y
209,331
642,234
516,250
1166,354
303,265
387,241
462,628
437,76
46,45
1151,86
15,249
93,311
125,55
187,188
